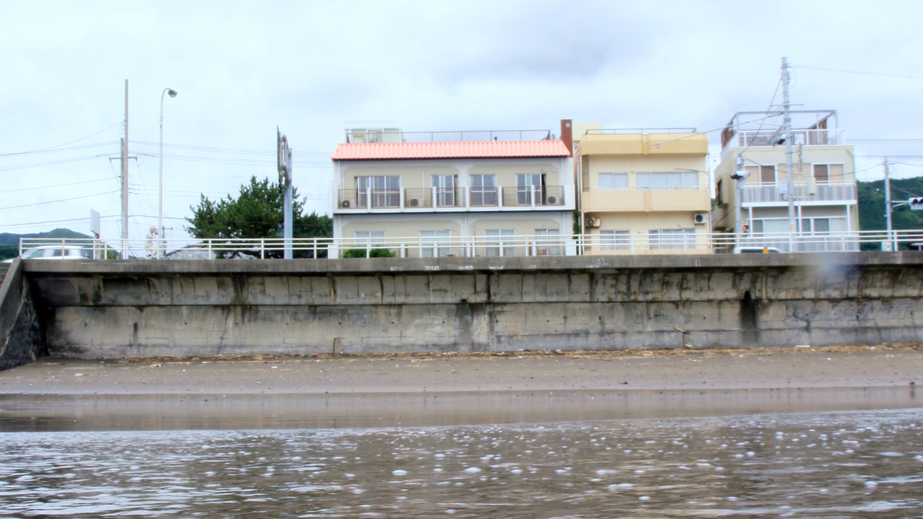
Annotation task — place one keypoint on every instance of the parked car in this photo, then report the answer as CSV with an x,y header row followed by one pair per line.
x,y
757,250
56,252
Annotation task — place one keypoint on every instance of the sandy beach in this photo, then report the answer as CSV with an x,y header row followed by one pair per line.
x,y
265,392
760,368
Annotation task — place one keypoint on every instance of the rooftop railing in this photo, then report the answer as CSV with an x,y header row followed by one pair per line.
x,y
366,136
643,131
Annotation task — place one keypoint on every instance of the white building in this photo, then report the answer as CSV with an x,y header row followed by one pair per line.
x,y
824,194
490,193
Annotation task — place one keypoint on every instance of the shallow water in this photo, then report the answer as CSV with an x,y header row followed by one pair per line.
x,y
819,464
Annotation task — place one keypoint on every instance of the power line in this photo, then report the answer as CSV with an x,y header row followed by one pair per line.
x,y
56,201
52,221
885,140
51,162
232,151
55,150
58,185
856,72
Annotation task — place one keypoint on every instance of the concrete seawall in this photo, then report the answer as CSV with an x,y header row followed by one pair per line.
x,y
20,325
119,309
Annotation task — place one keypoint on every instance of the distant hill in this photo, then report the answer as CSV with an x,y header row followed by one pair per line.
x,y
12,239
9,242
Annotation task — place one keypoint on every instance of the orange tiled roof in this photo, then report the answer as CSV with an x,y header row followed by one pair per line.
x,y
449,150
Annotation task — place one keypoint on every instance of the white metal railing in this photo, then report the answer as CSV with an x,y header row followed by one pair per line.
x,y
821,192
372,199
466,246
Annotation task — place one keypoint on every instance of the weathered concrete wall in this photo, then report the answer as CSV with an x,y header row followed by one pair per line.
x,y
20,327
141,308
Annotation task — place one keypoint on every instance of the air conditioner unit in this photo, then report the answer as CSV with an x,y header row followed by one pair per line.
x,y
700,218
414,202
593,222
552,200
344,203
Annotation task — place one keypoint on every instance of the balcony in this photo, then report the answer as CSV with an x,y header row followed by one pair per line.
x,y
821,192
765,129
476,198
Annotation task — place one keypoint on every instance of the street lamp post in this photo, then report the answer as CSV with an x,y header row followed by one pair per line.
x,y
172,93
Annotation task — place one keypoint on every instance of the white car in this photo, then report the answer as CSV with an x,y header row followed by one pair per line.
x,y
56,252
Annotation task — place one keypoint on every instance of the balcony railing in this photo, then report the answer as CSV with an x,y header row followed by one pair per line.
x,y
821,192
533,196
436,197
753,138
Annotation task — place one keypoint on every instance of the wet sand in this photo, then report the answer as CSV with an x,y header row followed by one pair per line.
x,y
447,389
526,371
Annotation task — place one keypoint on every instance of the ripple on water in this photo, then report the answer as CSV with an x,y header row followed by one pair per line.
x,y
684,466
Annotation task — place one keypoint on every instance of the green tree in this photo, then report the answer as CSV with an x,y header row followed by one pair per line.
x,y
257,212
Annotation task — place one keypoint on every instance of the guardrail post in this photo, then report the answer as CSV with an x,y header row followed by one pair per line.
x,y
208,242
262,248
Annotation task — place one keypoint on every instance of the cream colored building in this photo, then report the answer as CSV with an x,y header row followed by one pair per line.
x,y
455,193
824,195
642,192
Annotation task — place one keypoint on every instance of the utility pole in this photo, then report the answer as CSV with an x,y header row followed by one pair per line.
x,y
125,180
789,174
284,163
891,243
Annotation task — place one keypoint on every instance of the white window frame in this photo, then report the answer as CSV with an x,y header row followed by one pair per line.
x,y
672,239
614,239
435,243
547,242
386,190
482,194
664,180
493,239
611,179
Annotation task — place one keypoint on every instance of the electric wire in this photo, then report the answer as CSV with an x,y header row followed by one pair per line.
x,y
51,163
855,72
56,201
57,185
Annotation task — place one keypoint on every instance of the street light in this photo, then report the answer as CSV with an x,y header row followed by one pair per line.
x,y
172,93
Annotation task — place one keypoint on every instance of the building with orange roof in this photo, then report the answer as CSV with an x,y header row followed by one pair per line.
x,y
463,193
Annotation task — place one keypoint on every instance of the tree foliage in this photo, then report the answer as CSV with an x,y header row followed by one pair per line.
x,y
257,212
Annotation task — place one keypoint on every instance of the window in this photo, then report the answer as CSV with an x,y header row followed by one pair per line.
x,y
719,193
613,181
672,238
386,191
828,173
498,237
669,180
435,243
445,190
547,242
527,186
614,240
821,173
484,190
762,174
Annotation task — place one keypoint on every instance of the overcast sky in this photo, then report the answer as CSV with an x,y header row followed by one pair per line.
x,y
244,68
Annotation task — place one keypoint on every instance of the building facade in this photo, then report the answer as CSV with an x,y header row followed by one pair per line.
x,y
824,193
643,191
507,193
